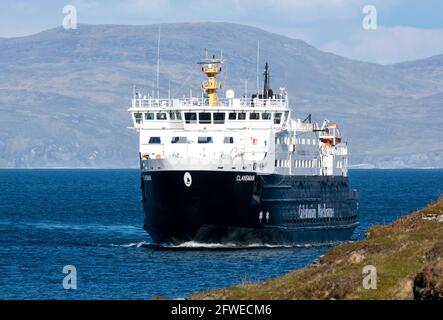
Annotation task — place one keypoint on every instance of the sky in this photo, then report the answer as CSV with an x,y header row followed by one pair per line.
x,y
405,29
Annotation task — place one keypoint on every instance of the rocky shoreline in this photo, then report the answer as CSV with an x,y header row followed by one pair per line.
x,y
402,260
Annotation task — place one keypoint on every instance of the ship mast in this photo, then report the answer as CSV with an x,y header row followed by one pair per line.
x,y
211,68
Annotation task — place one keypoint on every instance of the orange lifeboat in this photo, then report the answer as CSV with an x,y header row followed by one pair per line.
x,y
330,135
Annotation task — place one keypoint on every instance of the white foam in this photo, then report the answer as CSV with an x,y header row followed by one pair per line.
x,y
203,245
133,245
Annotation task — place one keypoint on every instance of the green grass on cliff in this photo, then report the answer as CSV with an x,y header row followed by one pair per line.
x,y
396,250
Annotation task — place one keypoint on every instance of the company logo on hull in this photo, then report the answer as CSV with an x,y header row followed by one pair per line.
x,y
309,212
187,178
245,178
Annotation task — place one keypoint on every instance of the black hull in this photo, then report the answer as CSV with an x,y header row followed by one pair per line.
x,y
231,207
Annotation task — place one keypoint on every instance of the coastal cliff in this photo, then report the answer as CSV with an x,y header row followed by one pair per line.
x,y
406,259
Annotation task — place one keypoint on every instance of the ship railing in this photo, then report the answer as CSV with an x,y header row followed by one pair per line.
x,y
146,102
298,125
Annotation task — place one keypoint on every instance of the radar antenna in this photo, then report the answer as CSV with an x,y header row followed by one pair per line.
x,y
158,62
211,68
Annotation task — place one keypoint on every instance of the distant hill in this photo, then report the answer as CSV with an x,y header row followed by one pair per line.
x,y
64,94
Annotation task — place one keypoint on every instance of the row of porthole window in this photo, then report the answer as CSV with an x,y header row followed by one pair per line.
x,y
297,163
306,164
282,163
185,140
306,141
287,140
303,164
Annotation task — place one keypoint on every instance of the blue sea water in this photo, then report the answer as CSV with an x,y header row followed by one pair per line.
x,y
93,219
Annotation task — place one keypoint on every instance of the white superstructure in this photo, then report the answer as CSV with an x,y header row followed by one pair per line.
x,y
235,134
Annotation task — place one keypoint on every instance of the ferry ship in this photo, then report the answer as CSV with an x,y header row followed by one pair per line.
x,y
240,170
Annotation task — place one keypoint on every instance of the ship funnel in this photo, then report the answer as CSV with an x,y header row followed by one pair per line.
x,y
267,91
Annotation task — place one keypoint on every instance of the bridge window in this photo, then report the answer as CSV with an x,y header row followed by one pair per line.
x,y
155,140
228,140
232,116
204,117
277,118
204,139
172,115
178,115
241,116
219,117
138,118
179,140
190,117
254,116
161,116
266,116
149,116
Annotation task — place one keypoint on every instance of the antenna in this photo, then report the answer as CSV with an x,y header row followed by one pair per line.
x,y
158,62
246,89
258,61
225,78
169,90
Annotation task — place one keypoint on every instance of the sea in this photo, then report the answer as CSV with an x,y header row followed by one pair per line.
x,y
57,224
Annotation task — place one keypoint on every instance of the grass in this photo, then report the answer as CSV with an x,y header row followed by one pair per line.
x,y
396,250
